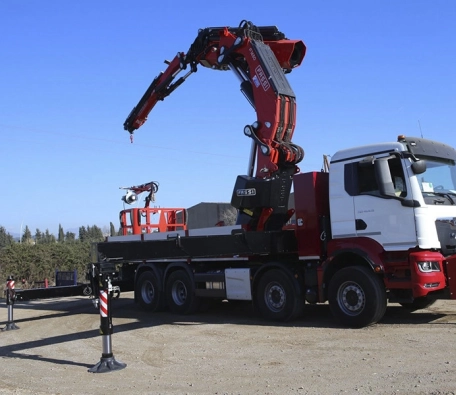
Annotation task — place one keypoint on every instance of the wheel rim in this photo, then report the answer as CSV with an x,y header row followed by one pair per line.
x,y
275,297
351,298
148,292
179,293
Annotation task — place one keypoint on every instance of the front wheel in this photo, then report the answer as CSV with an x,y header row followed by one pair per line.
x,y
357,297
180,294
278,297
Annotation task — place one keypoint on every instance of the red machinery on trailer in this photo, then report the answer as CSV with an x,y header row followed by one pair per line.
x,y
149,219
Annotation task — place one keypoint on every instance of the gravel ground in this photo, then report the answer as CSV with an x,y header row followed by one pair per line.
x,y
226,350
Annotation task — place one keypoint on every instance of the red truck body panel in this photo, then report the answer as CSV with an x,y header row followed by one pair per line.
x,y
311,194
450,264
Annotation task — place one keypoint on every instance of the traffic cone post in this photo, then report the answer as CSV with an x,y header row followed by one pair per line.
x,y
10,298
107,362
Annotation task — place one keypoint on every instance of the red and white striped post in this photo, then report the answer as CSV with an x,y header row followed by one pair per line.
x,y
10,298
107,362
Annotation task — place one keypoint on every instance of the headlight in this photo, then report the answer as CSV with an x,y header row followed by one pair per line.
x,y
428,266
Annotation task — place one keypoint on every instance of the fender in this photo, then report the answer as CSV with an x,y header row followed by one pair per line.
x,y
360,251
368,249
142,267
292,269
181,265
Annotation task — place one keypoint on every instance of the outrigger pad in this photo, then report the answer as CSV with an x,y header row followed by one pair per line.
x,y
10,326
107,365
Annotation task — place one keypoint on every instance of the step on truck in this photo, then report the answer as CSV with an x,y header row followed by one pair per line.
x,y
378,226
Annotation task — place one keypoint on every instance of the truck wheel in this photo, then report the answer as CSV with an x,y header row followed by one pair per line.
x,y
148,292
277,297
357,297
419,303
180,295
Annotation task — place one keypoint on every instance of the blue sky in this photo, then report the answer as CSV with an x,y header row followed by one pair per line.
x,y
72,71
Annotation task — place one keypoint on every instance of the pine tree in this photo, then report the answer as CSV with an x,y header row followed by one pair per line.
x,y
94,233
38,236
112,229
61,237
70,237
82,234
5,238
48,237
26,236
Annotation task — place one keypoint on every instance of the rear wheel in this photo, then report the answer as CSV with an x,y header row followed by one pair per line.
x,y
278,297
357,297
149,292
180,293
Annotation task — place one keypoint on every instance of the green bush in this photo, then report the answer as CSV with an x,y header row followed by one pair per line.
x,y
36,262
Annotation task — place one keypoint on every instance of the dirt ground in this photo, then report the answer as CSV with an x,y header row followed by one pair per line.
x,y
226,350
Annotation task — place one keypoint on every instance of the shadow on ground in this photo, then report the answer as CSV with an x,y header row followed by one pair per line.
x,y
238,313
242,313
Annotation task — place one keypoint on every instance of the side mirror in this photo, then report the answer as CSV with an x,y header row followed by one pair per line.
x,y
419,167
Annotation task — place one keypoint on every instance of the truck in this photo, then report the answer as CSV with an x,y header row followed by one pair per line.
x,y
378,227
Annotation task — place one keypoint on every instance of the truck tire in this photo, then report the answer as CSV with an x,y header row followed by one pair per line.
x,y
180,294
148,292
419,303
357,297
277,297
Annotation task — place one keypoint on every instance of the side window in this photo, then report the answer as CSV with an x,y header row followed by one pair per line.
x,y
397,176
367,182
361,177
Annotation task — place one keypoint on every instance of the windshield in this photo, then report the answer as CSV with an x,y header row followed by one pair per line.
x,y
439,177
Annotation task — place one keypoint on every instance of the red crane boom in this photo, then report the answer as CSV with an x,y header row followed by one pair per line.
x,y
260,57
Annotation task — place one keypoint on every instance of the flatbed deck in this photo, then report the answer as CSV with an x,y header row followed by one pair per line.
x,y
196,244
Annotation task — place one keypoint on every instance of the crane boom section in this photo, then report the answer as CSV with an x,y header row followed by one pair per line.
x,y
260,57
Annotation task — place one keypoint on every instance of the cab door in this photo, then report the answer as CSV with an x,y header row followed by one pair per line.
x,y
382,216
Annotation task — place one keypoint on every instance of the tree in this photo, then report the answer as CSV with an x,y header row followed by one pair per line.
x,y
38,236
112,229
48,237
61,236
70,237
26,236
37,262
82,234
5,238
91,234
95,233
229,216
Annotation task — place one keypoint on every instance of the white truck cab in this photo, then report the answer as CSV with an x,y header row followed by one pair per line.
x,y
401,194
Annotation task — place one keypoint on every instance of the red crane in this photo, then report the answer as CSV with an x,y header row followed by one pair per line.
x,y
260,57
